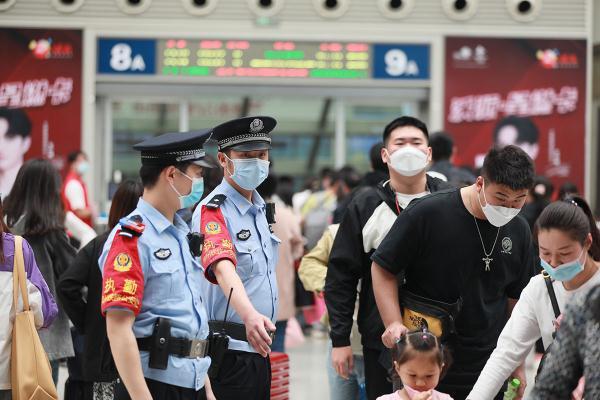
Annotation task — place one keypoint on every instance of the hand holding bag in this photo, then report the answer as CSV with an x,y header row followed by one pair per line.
x,y
31,375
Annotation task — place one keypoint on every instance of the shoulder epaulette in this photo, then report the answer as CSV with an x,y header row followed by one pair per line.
x,y
132,226
216,201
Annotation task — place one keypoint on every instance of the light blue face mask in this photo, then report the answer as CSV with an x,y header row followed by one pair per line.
x,y
188,200
567,271
83,167
249,173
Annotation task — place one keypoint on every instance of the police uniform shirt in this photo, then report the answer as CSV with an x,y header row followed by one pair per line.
x,y
155,276
238,230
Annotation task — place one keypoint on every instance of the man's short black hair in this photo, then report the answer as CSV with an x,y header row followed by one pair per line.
x,y
149,173
441,145
510,167
405,121
18,122
326,172
566,189
348,176
73,156
527,131
377,163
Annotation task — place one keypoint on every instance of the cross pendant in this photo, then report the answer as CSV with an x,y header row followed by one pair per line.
x,y
487,261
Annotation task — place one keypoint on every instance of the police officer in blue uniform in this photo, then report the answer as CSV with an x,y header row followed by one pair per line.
x,y
156,316
239,256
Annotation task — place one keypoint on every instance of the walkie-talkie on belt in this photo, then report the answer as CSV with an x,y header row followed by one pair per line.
x,y
219,343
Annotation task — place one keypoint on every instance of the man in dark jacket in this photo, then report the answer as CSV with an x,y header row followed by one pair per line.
x,y
367,221
443,149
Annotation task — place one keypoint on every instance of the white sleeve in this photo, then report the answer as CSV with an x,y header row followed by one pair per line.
x,y
516,340
75,195
35,304
79,229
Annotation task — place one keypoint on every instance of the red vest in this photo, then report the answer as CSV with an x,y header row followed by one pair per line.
x,y
72,176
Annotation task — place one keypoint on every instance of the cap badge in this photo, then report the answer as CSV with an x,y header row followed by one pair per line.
x,y
256,125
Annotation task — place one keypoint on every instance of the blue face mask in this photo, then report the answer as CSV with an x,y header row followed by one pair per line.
x,y
188,200
83,167
567,271
249,173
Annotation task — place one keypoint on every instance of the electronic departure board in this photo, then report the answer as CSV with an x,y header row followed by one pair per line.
x,y
263,59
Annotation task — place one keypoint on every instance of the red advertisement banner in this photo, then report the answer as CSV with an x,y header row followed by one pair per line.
x,y
40,97
528,92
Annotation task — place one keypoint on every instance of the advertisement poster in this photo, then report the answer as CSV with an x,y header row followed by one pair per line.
x,y
527,92
40,98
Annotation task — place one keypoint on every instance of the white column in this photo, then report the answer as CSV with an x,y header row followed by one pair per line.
x,y
107,105
88,113
591,141
436,86
184,116
339,144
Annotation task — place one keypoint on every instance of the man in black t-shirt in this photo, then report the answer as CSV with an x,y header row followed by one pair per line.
x,y
462,243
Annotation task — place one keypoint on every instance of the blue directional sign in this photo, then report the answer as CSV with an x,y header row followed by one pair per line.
x,y
400,61
127,56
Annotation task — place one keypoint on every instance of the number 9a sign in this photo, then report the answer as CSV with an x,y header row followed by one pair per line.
x,y
126,56
400,61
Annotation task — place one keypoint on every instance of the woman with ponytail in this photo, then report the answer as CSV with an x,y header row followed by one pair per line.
x,y
569,250
576,350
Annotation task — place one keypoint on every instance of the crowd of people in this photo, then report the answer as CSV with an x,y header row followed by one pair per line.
x,y
436,280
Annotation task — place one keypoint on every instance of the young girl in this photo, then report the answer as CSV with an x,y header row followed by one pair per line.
x,y
420,360
569,244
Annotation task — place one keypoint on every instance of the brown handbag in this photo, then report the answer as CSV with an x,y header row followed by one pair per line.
x,y
30,372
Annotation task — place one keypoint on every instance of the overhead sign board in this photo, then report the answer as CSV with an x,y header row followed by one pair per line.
x,y
215,58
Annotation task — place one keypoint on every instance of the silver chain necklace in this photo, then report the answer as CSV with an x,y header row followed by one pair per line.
x,y
487,259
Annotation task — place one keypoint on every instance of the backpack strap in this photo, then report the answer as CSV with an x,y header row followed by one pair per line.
x,y
552,294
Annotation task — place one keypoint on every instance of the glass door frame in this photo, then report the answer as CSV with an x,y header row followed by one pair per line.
x,y
108,94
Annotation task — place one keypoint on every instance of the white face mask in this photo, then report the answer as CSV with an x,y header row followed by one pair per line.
x,y
497,215
408,161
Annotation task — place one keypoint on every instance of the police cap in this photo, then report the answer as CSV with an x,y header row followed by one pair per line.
x,y
245,134
174,148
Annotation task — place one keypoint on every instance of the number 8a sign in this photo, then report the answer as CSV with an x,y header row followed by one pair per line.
x,y
127,56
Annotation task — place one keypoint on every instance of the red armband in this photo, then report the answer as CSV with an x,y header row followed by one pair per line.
x,y
123,278
217,241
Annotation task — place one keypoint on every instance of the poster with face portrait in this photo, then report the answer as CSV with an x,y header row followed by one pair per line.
x,y
527,92
40,98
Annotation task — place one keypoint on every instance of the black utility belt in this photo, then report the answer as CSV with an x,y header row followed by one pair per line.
x,y
161,345
178,347
232,329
